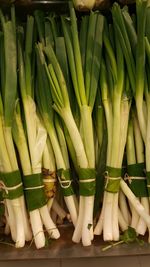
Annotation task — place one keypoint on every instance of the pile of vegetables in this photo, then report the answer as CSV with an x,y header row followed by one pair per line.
x,y
75,124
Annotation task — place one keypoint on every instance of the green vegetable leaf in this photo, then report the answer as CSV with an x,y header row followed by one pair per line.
x,y
129,235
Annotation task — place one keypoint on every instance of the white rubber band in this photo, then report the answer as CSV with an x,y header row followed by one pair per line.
x,y
62,182
87,180
112,178
35,187
131,178
7,189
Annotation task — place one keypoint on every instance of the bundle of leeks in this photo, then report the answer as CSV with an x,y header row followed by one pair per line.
x,y
52,125
34,141
11,182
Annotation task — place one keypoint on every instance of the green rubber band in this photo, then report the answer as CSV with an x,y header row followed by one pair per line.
x,y
12,184
34,191
87,181
64,177
112,179
138,186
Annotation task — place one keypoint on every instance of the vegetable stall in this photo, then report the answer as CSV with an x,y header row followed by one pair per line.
x,y
74,123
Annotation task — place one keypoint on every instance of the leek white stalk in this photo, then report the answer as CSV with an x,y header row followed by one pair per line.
x,y
124,208
139,148
21,203
131,159
136,204
122,222
59,210
14,207
141,226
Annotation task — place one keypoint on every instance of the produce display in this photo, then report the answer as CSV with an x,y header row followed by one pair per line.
x,y
75,124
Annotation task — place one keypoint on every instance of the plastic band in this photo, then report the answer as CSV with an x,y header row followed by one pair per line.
x,y
137,180
87,181
34,191
112,179
11,183
65,182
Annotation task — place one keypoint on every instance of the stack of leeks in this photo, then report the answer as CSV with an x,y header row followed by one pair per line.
x,y
74,124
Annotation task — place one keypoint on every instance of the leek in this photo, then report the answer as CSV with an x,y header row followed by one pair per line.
x,y
7,114
43,100
36,136
85,90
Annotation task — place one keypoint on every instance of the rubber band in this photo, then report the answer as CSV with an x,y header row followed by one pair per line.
x,y
63,182
132,178
34,188
7,189
87,180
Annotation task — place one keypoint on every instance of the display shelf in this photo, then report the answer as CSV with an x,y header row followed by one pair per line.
x,y
64,248
27,7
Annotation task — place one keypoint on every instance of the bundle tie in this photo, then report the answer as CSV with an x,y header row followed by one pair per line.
x,y
87,180
35,187
64,183
107,177
131,178
11,188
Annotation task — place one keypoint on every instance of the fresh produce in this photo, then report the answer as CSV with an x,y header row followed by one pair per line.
x,y
74,124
